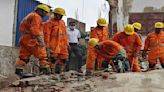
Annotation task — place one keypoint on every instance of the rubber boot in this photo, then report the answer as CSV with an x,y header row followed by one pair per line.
x,y
162,65
18,71
152,66
105,65
66,65
89,73
58,69
45,71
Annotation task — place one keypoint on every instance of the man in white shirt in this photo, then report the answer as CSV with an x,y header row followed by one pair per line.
x,y
73,36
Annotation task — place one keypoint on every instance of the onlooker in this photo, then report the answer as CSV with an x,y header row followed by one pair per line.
x,y
74,35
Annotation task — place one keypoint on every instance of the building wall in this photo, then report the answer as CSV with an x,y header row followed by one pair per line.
x,y
147,6
80,25
8,56
23,11
6,21
120,16
136,6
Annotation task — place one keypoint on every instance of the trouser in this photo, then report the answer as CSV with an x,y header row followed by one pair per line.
x,y
59,59
92,58
134,64
75,63
26,52
153,62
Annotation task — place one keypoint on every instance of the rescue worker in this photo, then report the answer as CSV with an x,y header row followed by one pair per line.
x,y
110,50
132,44
155,43
137,27
32,41
56,39
101,33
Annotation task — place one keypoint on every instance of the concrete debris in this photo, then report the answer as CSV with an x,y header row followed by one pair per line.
x,y
2,76
104,82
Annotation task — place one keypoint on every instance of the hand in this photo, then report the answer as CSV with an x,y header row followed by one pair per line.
x,y
97,46
40,41
49,51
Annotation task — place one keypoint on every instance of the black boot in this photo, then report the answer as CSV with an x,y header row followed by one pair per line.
x,y
104,65
151,66
58,69
18,71
46,71
162,65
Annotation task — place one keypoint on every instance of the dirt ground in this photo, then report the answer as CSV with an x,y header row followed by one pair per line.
x,y
151,81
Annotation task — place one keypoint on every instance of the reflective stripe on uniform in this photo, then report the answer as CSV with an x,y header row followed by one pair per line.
x,y
155,45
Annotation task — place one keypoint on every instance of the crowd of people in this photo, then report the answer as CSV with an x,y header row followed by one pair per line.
x,y
52,43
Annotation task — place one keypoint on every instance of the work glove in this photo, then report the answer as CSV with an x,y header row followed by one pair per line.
x,y
121,54
40,41
49,51
144,54
98,46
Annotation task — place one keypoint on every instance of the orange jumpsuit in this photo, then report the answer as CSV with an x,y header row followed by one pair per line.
x,y
109,49
132,44
155,43
56,39
102,35
31,27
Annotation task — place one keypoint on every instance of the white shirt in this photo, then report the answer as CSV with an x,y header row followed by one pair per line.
x,y
73,35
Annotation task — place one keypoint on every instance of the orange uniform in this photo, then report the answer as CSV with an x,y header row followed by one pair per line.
x,y
55,38
102,35
155,43
109,49
132,44
31,27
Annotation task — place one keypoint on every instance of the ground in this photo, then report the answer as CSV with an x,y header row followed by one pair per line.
x,y
74,82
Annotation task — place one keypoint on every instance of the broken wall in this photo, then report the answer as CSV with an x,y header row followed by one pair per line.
x,y
8,56
136,6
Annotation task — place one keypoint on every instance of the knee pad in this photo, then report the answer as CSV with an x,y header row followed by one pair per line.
x,y
151,65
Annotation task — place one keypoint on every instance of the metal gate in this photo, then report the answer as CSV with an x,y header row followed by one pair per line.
x,y
24,7
147,20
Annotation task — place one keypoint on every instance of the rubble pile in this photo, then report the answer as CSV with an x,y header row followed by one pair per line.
x,y
66,82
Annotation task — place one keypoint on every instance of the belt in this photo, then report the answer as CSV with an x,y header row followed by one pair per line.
x,y
72,43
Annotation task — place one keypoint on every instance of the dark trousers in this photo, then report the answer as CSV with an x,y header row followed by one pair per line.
x,y
75,62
